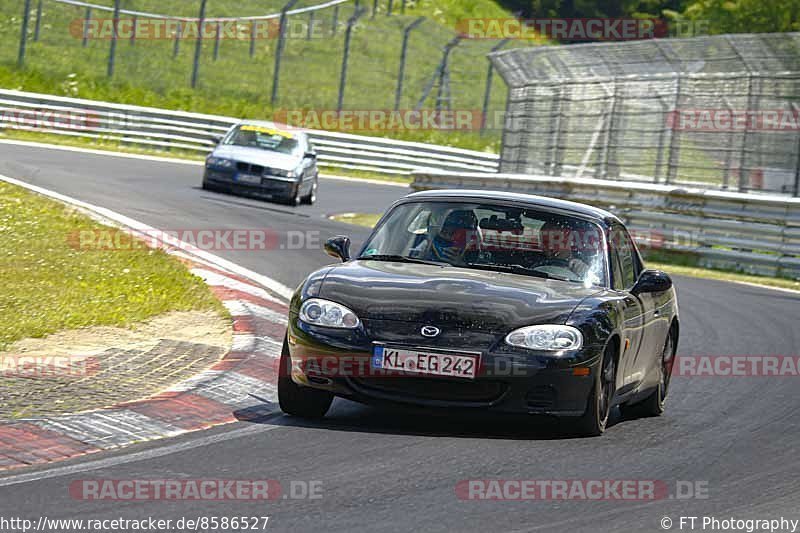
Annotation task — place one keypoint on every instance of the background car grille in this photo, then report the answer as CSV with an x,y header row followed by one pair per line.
x,y
247,167
436,389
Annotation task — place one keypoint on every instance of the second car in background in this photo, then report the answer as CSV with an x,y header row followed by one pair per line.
x,y
263,159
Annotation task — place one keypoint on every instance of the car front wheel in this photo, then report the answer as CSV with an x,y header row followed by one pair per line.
x,y
653,405
296,400
594,421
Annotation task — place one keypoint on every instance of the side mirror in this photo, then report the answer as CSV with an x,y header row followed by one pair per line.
x,y
216,139
310,155
338,247
652,281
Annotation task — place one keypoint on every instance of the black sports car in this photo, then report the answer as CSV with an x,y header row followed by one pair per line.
x,y
485,300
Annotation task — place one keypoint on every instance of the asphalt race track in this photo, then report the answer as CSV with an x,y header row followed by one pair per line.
x,y
397,471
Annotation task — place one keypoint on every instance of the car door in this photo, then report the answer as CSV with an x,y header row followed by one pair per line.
x,y
624,275
653,333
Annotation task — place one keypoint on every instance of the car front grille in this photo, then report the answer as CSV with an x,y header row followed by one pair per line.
x,y
435,388
250,168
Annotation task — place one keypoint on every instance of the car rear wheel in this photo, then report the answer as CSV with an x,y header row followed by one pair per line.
x,y
296,400
311,197
594,421
653,405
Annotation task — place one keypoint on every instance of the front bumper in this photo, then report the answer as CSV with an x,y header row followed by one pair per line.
x,y
269,186
507,381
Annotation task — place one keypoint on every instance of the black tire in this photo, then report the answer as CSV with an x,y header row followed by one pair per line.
x,y
208,187
653,405
296,400
293,199
594,421
311,197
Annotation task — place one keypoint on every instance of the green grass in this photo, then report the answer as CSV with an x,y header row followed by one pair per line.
x,y
678,264
49,285
240,86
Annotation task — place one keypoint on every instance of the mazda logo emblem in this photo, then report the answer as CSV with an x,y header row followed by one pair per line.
x,y
429,331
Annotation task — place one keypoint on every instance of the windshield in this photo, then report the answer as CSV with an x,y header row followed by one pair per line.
x,y
492,237
263,138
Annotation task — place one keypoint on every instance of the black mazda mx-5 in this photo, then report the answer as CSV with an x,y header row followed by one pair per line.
x,y
485,300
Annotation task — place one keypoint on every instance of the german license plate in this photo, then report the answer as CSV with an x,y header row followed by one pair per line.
x,y
249,178
424,362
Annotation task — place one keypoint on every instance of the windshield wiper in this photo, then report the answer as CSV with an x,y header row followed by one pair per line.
x,y
516,269
401,259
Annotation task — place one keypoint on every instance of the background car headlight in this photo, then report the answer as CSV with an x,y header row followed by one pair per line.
x,y
219,162
549,337
326,313
283,173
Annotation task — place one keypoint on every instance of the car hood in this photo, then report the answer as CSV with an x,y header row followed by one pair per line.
x,y
257,156
465,298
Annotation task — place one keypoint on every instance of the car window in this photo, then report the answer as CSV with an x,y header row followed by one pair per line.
x,y
264,138
493,237
627,266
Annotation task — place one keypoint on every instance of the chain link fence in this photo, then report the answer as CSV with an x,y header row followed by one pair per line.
x,y
716,111
282,55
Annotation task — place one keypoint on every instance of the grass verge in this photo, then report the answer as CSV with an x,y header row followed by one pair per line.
x,y
49,285
670,263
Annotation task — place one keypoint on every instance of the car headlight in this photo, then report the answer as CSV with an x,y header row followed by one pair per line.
x,y
283,173
219,162
548,337
326,313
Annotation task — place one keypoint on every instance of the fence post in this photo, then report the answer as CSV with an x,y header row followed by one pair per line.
x,y
23,38
797,169
343,74
134,23
403,7
198,46
279,51
37,28
310,28
178,33
675,138
86,22
112,52
487,92
217,39
403,53
444,73
389,9
252,38
374,8
335,20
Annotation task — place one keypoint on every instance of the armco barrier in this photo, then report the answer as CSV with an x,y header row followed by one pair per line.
x,y
167,130
746,232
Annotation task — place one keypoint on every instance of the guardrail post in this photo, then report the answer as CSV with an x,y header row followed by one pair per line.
x,y
343,74
134,23
279,51
487,91
112,52
176,48
23,38
198,46
398,93
38,26
217,39
86,21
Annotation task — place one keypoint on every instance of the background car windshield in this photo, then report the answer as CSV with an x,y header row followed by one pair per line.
x,y
262,138
494,237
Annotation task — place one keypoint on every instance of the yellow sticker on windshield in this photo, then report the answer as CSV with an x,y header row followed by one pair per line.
x,y
268,131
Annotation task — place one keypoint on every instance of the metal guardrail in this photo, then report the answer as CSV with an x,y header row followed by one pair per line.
x,y
752,233
194,132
